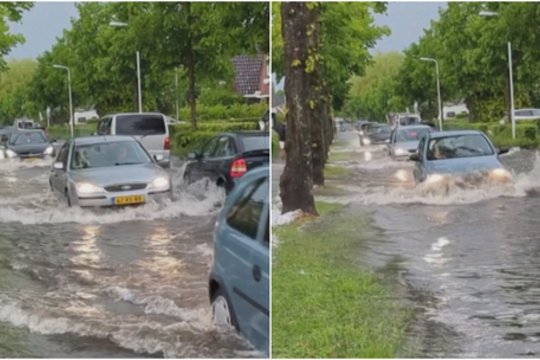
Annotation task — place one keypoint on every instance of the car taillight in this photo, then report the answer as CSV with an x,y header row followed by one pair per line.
x,y
166,143
238,168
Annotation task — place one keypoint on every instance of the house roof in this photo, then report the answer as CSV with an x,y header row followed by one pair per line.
x,y
247,73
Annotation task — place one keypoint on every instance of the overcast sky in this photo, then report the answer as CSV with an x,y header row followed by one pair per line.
x,y
46,20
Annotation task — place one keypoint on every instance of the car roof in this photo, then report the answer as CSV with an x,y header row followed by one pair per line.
x,y
101,139
440,134
134,113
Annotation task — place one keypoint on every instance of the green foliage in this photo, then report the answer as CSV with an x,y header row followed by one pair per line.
x,y
375,94
10,12
472,55
221,112
348,32
172,37
186,140
15,101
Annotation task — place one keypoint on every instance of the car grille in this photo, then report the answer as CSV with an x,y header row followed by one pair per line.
x,y
125,187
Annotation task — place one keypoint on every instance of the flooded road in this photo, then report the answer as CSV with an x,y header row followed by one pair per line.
x,y
128,282
468,259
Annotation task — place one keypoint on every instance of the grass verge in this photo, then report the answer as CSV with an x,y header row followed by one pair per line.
x,y
322,304
333,171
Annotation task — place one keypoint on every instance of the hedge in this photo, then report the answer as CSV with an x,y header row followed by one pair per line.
x,y
185,140
223,112
527,133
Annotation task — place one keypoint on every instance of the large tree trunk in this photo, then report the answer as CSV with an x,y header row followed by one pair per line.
x,y
316,105
296,182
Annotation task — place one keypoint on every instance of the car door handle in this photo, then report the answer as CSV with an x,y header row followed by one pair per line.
x,y
256,272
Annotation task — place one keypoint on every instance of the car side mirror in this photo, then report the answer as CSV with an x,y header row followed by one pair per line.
x,y
53,140
4,138
158,157
414,157
503,151
58,165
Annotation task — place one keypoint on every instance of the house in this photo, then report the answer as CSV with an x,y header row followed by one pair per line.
x,y
251,77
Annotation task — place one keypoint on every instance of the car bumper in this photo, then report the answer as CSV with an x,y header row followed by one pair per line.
x,y
109,199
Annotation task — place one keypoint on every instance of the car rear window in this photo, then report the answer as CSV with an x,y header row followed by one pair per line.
x,y
140,125
258,142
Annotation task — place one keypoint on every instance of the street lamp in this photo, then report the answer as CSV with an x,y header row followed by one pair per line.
x,y
176,91
123,24
438,89
511,81
70,99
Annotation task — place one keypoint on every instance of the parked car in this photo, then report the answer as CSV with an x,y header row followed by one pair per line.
x,y
149,128
23,124
524,114
239,279
406,119
450,154
108,171
375,134
28,144
404,140
227,157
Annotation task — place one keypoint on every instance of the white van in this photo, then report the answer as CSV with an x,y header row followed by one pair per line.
x,y
149,128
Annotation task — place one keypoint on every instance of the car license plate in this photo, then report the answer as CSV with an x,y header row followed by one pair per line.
x,y
31,158
128,200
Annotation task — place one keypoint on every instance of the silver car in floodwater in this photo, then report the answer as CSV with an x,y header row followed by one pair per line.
x,y
465,155
108,171
404,141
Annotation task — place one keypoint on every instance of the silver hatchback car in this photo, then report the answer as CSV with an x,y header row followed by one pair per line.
x,y
108,171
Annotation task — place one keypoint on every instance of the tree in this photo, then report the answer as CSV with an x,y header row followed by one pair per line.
x,y
14,82
296,182
10,11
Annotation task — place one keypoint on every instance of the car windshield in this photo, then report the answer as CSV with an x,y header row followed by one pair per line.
x,y
28,138
411,135
378,130
107,154
140,125
461,146
255,142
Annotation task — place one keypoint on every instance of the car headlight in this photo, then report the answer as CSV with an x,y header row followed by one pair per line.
x,y
366,141
161,183
87,188
10,153
49,150
500,174
400,152
434,178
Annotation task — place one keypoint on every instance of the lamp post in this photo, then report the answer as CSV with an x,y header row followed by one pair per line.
x,y
70,98
438,89
176,91
139,93
510,81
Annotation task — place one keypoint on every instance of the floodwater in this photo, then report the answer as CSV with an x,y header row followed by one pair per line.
x,y
468,258
128,282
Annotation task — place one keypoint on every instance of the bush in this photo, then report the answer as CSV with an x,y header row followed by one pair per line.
x,y
530,132
223,112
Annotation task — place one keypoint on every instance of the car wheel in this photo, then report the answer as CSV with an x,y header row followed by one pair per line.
x,y
222,312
